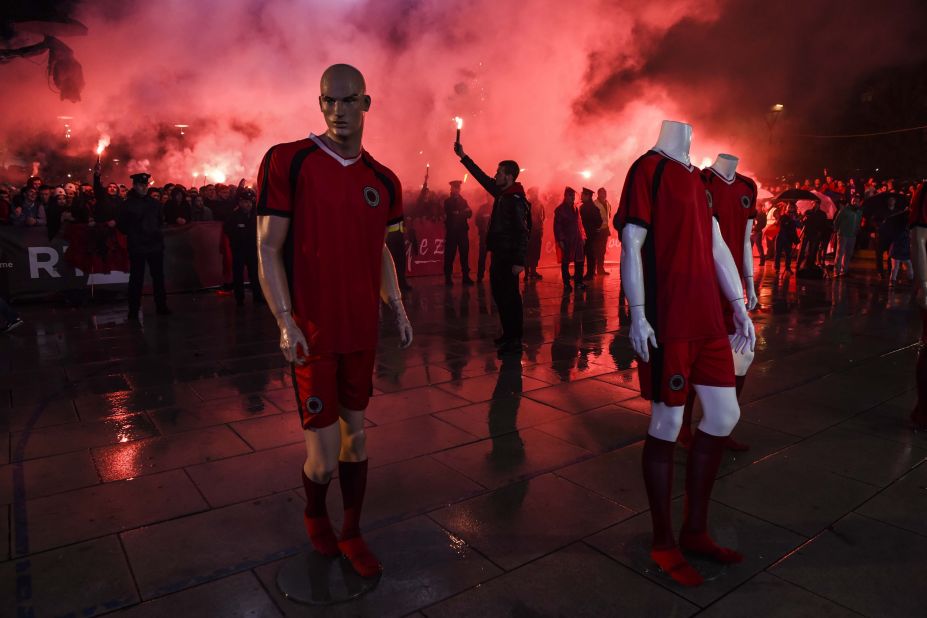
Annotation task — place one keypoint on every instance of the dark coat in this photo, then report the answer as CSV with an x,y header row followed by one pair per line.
x,y
456,213
106,207
568,232
510,222
174,211
592,218
141,220
241,228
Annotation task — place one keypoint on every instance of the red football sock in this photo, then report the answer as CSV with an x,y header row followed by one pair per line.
x,y
685,432
315,517
657,465
701,469
673,563
353,478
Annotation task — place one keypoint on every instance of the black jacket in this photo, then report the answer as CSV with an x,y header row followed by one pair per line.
x,y
141,219
592,218
510,222
241,228
106,207
456,213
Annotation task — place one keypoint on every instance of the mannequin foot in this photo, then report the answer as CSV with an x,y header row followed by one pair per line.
x,y
735,445
673,563
685,437
700,543
362,559
321,535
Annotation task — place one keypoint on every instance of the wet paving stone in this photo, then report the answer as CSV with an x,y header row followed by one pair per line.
x,y
499,486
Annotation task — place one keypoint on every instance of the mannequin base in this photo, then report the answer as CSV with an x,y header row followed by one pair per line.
x,y
310,578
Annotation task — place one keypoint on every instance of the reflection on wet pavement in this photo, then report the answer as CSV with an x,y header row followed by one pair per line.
x,y
160,463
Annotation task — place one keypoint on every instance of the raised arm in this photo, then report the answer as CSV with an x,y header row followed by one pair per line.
x,y
479,175
632,278
271,236
731,288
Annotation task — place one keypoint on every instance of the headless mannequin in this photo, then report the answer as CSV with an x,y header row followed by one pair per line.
x,y
720,403
725,167
919,260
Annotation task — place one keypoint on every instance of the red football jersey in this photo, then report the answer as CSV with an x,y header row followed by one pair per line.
x,y
733,204
681,288
918,215
339,211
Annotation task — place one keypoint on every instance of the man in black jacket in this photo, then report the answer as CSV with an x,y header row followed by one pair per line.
x,y
592,223
141,219
241,228
456,234
507,240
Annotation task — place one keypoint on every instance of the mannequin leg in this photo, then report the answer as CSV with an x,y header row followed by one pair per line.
x,y
742,364
685,432
352,475
657,467
321,458
720,415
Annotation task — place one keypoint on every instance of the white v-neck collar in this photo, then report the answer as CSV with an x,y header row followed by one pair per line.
x,y
689,167
334,155
730,182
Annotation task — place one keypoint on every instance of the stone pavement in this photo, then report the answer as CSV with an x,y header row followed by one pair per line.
x,y
154,469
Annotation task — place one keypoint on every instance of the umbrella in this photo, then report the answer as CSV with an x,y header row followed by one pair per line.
x,y
827,205
792,195
877,205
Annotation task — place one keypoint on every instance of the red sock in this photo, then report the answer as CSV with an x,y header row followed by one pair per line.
x,y
673,563
657,466
701,469
685,432
315,517
353,478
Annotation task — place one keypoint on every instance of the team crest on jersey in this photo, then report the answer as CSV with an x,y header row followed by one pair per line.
x,y
745,201
708,195
314,405
371,196
677,382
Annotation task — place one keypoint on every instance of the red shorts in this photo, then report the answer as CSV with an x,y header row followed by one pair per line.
x,y
328,382
675,365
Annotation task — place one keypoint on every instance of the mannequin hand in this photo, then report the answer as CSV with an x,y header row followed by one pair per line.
x,y
517,270
402,323
641,334
458,150
744,334
291,338
751,296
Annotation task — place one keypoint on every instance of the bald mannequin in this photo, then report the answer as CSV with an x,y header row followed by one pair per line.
x,y
339,440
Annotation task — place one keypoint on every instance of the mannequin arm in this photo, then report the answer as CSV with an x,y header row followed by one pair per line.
x,y
919,260
632,278
271,235
748,267
729,281
390,294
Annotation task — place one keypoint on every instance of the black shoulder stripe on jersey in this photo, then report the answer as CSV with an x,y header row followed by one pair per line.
x,y
262,198
296,166
746,181
387,182
616,223
657,177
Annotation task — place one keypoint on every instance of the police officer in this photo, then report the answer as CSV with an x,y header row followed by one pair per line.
x,y
241,229
456,228
141,219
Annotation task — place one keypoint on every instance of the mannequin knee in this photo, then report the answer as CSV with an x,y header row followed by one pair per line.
x,y
665,421
353,445
319,469
720,420
742,362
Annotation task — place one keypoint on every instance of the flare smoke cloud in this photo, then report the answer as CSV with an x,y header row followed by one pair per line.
x,y
561,86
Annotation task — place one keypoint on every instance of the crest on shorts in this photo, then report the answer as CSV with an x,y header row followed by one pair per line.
x,y
745,201
708,195
371,196
677,382
314,405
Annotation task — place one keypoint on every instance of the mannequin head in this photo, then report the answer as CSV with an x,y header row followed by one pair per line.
x,y
674,141
344,101
726,166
